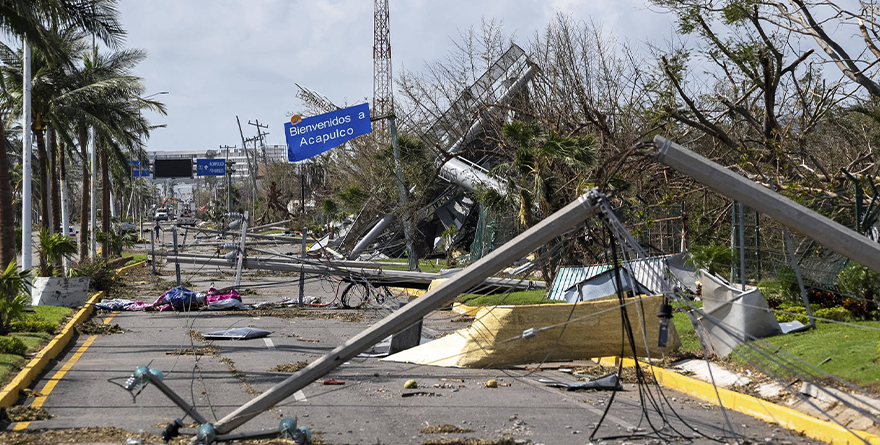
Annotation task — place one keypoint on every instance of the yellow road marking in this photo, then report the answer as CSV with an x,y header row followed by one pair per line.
x,y
50,385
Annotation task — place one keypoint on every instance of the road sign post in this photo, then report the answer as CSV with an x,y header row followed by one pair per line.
x,y
210,167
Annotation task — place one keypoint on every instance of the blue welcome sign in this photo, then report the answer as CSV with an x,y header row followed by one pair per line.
x,y
314,135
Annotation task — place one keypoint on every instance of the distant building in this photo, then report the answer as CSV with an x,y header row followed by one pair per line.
x,y
266,154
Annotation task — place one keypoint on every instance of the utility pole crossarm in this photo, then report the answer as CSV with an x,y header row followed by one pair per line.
x,y
830,234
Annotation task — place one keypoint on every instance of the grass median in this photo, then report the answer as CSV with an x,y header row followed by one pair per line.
x,y
33,331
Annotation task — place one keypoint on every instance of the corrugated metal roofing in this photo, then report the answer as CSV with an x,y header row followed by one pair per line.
x,y
648,272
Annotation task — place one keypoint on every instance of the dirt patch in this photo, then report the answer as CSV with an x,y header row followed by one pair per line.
x,y
627,375
290,367
89,327
469,442
207,350
141,282
24,414
444,429
463,319
299,313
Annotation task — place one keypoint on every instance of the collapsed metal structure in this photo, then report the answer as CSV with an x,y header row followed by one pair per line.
x,y
467,119
829,233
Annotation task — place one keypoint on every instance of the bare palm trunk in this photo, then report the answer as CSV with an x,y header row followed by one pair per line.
x,y
54,193
7,224
105,203
55,183
43,166
83,134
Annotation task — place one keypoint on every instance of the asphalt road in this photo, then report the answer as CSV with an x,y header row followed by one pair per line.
x,y
371,406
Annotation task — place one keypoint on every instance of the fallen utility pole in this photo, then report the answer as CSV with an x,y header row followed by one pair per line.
x,y
290,239
374,274
805,221
533,238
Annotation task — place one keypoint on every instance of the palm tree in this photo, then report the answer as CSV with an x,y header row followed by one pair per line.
x,y
46,84
26,19
13,295
55,247
544,171
115,112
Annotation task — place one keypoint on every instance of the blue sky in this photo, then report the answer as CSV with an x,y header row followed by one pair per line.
x,y
219,59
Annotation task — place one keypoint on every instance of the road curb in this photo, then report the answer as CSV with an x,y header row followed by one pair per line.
x,y
770,412
9,394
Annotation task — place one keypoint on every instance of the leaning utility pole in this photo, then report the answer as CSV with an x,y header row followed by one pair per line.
x,y
251,169
260,137
228,180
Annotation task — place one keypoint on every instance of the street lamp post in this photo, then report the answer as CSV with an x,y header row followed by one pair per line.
x,y
139,210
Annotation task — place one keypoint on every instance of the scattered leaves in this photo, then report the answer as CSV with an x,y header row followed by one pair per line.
x,y
290,367
444,429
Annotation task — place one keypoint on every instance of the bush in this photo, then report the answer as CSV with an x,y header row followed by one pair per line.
x,y
825,299
832,313
102,277
861,309
12,345
859,281
801,312
714,258
31,324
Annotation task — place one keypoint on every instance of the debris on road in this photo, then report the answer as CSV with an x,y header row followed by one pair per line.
x,y
237,334
25,414
331,382
444,429
420,393
290,367
91,328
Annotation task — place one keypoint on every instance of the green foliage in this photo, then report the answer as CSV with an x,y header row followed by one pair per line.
x,y
833,313
55,247
513,298
546,172
330,208
33,324
777,291
115,242
12,345
353,198
859,281
736,11
715,258
795,313
102,277
14,296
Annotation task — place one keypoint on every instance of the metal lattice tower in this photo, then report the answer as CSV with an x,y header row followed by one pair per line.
x,y
383,97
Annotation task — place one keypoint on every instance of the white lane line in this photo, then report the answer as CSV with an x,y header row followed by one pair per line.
x,y
300,396
269,343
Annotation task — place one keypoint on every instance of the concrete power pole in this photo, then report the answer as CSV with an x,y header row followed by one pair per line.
x,y
26,200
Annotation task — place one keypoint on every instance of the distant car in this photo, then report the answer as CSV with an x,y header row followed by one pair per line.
x,y
71,232
161,216
124,227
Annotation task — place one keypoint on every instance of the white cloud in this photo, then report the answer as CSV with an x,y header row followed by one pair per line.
x,y
225,58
